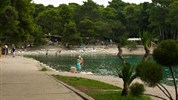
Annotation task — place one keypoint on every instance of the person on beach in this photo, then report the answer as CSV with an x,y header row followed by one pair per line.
x,y
6,50
13,50
46,52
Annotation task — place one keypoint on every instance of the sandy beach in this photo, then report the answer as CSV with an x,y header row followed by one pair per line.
x,y
100,49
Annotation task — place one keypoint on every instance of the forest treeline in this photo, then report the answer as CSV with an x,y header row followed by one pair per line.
x,y
24,22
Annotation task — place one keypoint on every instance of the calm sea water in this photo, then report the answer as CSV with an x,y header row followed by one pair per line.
x,y
104,64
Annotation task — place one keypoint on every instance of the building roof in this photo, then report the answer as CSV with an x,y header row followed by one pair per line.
x,y
134,39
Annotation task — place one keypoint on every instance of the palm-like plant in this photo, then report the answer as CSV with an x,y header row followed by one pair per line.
x,y
122,41
127,73
147,39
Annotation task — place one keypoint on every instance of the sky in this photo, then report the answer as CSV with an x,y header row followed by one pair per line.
x,y
100,2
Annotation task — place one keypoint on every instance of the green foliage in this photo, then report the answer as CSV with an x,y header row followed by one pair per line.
x,y
131,13
144,17
74,7
122,40
86,28
9,25
147,38
3,5
44,69
166,53
173,16
90,10
118,29
149,72
137,89
25,10
17,22
103,30
131,44
70,35
115,95
50,21
98,90
65,14
117,4
127,73
163,15
37,36
83,82
38,9
110,13
92,20
40,41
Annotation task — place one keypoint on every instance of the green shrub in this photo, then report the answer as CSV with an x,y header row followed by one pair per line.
x,y
149,72
166,53
44,69
137,89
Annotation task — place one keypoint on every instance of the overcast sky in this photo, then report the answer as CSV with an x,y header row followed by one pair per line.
x,y
101,2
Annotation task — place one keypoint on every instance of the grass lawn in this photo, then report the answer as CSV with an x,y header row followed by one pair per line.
x,y
98,90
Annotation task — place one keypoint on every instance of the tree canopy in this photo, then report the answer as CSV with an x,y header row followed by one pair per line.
x,y
27,21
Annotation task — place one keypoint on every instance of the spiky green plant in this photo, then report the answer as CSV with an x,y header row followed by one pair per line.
x,y
127,73
122,41
147,39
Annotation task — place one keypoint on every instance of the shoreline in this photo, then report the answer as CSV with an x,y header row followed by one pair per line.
x,y
114,80
107,79
113,50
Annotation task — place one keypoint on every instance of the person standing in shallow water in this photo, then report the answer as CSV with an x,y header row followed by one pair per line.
x,y
79,63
